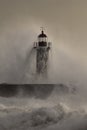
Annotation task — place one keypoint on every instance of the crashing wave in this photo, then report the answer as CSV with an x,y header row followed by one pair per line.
x,y
43,118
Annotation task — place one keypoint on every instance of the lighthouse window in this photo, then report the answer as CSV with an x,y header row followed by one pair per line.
x,y
42,39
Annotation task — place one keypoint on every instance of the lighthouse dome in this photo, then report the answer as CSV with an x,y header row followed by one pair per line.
x,y
42,35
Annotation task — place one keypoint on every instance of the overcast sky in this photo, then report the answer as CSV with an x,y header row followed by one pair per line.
x,y
65,22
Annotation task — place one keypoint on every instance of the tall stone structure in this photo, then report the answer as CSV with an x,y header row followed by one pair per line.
x,y
42,53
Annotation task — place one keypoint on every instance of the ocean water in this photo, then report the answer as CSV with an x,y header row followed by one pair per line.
x,y
42,107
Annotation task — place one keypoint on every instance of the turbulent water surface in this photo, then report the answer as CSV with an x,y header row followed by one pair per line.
x,y
41,107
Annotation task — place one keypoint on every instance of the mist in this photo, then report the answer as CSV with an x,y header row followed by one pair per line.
x,y
20,24
59,101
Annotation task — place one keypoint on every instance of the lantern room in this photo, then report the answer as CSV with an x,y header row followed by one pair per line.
x,y
42,39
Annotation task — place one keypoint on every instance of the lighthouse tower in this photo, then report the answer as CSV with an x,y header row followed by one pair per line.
x,y
42,53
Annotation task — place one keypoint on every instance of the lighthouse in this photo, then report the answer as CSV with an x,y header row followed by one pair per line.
x,y
42,47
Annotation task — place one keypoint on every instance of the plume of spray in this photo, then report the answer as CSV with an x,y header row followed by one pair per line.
x,y
28,67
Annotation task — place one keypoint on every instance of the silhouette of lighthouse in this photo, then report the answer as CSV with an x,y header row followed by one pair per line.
x,y
42,47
